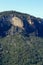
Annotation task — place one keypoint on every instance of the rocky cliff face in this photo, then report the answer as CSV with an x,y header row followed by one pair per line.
x,y
12,22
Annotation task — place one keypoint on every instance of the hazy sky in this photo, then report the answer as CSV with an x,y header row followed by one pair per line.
x,y
33,7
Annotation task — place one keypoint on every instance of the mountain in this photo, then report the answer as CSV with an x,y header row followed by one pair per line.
x,y
12,22
21,39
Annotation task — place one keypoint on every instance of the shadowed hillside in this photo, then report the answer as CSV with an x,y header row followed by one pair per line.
x,y
12,22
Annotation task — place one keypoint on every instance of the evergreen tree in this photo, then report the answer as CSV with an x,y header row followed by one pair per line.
x,y
1,49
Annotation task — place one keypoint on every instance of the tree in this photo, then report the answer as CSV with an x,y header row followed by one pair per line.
x,y
1,49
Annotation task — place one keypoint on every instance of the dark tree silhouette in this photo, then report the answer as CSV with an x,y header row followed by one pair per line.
x,y
1,49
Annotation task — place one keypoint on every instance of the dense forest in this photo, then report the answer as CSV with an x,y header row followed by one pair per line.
x,y
18,50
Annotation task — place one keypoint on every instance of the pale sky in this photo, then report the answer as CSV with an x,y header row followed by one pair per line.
x,y
33,7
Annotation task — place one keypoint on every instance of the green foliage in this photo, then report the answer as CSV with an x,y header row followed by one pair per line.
x,y
20,50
